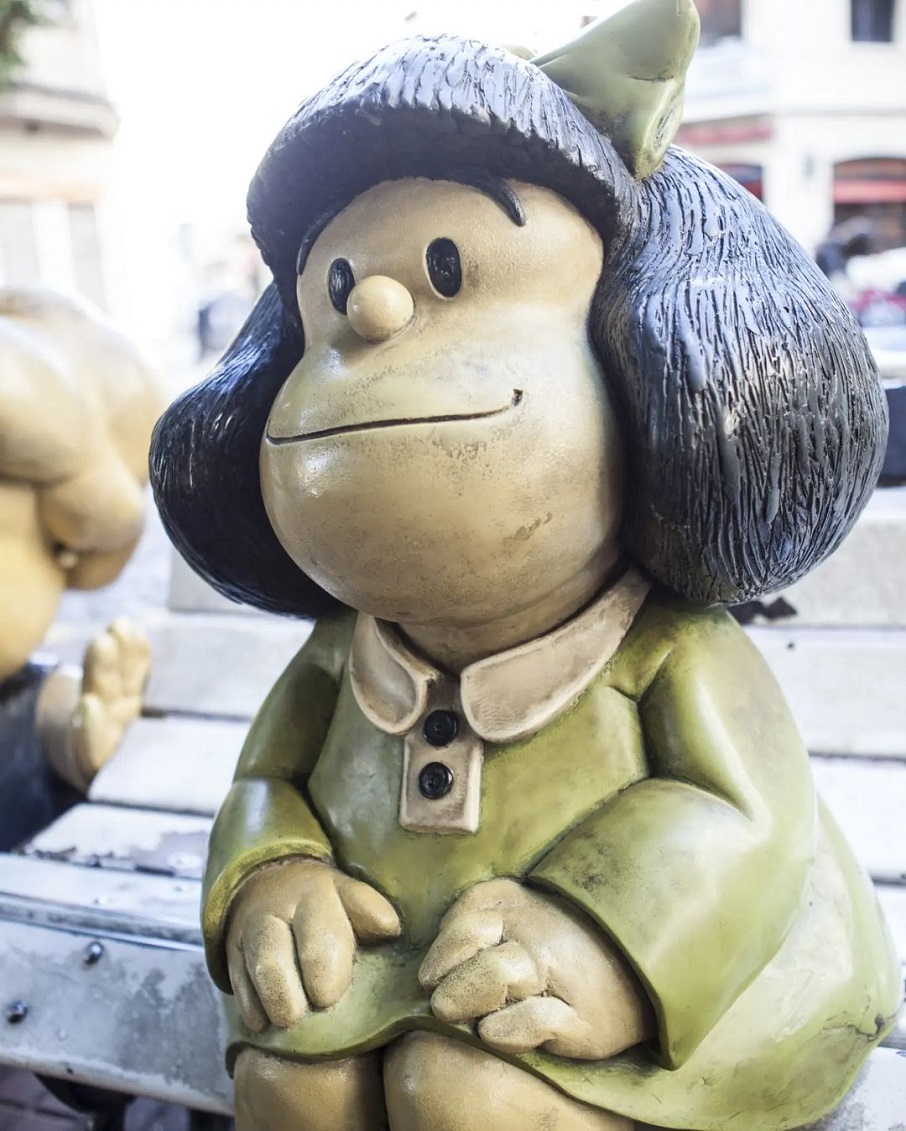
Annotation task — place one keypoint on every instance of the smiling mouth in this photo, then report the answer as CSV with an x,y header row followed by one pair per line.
x,y
372,425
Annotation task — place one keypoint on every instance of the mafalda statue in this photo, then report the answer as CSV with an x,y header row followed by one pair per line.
x,y
525,836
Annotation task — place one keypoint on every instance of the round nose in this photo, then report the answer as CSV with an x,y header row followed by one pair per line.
x,y
379,307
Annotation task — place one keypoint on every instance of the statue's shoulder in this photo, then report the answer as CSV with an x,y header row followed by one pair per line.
x,y
311,680
326,647
668,626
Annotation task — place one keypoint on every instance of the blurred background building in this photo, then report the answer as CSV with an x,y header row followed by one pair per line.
x,y
805,104
57,127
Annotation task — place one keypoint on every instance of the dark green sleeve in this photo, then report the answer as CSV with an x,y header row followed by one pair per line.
x,y
698,872
266,816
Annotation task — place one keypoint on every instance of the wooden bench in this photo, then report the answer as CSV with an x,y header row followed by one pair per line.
x,y
101,966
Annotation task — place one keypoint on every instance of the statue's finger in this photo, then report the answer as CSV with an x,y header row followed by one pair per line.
x,y
373,917
94,739
250,1007
101,668
487,896
270,959
460,938
325,943
134,654
486,983
541,1022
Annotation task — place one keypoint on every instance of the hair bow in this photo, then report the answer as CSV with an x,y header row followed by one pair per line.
x,y
626,75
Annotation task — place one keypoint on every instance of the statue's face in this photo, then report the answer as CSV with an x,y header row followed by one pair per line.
x,y
446,452
76,424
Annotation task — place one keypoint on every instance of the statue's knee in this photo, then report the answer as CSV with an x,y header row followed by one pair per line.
x,y
432,1083
275,1094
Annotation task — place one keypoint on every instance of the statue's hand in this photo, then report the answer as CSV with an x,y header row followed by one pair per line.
x,y
299,916
536,973
114,674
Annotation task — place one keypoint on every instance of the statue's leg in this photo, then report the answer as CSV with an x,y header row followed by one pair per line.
x,y
433,1083
274,1094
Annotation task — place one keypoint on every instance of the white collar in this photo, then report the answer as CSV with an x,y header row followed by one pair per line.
x,y
505,697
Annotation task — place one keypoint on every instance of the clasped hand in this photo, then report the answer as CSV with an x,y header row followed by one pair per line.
x,y
534,974
530,971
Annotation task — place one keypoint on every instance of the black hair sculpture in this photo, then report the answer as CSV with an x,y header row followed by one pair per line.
x,y
753,414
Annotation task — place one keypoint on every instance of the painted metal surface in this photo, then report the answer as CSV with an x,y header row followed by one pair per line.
x,y
55,893
145,1019
862,582
135,1017
893,901
188,593
104,836
897,1038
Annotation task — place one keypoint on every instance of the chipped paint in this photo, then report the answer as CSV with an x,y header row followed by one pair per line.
x,y
145,1021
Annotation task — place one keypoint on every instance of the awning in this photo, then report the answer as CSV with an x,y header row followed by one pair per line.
x,y
870,191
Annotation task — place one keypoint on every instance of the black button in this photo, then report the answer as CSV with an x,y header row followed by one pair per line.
x,y
435,780
440,728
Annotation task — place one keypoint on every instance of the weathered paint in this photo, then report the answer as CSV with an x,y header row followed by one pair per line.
x,y
143,1019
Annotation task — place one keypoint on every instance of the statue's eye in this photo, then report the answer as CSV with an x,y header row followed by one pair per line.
x,y
340,281
444,267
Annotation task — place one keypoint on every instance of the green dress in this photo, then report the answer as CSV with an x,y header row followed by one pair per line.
x,y
672,802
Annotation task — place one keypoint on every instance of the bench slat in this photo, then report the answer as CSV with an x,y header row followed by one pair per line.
x,y
182,765
188,593
893,904
219,665
844,687
868,799
165,1037
51,892
858,584
143,840
877,1102
143,1020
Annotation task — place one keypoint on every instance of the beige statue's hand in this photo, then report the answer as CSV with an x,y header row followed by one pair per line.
x,y
537,974
115,672
299,916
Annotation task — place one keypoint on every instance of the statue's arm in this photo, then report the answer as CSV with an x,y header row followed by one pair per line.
x,y
698,871
266,816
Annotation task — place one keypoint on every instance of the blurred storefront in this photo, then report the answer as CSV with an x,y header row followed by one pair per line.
x,y
806,105
874,188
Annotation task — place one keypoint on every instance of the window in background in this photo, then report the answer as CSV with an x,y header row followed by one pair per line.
x,y
18,246
874,188
86,252
721,19
872,21
751,177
